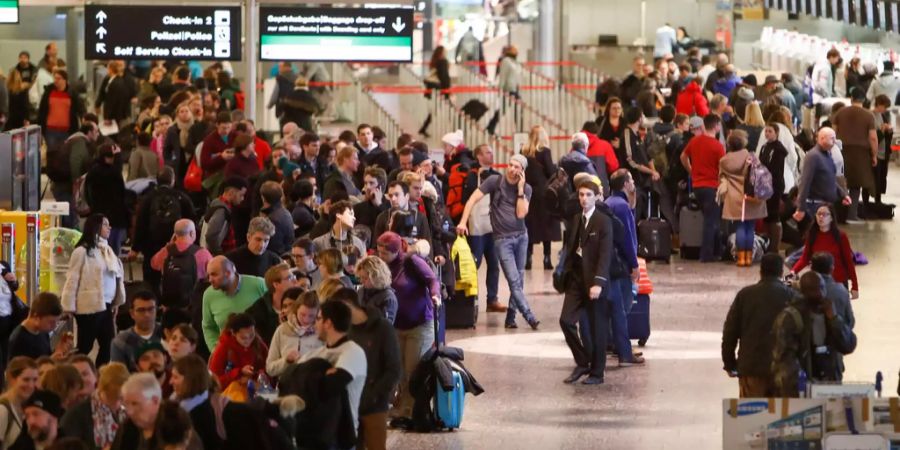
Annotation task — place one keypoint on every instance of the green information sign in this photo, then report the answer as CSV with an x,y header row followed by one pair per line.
x,y
9,11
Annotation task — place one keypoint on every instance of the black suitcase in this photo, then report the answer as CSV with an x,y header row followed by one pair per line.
x,y
461,311
654,237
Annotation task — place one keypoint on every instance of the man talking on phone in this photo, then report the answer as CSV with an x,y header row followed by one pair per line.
x,y
509,199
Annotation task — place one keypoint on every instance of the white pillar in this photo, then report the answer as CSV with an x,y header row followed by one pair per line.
x,y
547,34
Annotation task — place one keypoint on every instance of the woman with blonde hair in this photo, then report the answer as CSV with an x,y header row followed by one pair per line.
x,y
542,227
19,106
328,287
115,94
375,277
753,124
177,149
64,381
96,419
331,263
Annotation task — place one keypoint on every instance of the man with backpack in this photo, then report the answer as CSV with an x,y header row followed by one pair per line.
x,y
154,224
809,337
664,140
67,163
180,264
217,234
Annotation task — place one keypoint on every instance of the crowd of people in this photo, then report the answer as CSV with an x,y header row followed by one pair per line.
x,y
260,257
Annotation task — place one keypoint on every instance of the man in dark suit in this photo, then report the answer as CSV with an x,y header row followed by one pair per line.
x,y
589,246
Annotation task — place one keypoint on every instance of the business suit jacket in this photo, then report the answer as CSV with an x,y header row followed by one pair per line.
x,y
596,248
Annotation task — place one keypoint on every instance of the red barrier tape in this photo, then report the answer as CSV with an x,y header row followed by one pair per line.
x,y
552,138
576,87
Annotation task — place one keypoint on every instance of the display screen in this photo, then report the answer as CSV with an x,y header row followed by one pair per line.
x,y
202,33
336,34
9,11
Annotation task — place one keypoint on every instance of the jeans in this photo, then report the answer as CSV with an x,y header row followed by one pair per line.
x,y
744,236
413,344
711,218
618,316
98,327
484,246
512,251
64,194
116,238
55,138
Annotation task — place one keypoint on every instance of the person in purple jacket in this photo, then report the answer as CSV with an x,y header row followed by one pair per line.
x,y
418,293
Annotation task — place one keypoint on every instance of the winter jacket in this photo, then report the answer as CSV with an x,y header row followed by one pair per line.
x,y
574,163
83,290
792,162
105,193
733,169
76,108
127,342
725,85
509,74
327,421
888,84
218,229
211,154
298,106
691,101
142,163
599,148
264,316
288,337
229,357
466,269
381,300
378,339
284,228
115,95
749,323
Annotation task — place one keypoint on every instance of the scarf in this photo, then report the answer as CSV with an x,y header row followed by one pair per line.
x,y
106,421
113,264
300,330
184,129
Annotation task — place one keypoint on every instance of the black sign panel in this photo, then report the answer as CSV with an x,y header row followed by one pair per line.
x,y
203,33
335,34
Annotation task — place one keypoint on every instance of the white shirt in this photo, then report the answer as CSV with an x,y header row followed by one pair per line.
x,y
350,357
6,296
666,38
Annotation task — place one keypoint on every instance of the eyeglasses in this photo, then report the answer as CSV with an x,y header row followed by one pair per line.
x,y
290,277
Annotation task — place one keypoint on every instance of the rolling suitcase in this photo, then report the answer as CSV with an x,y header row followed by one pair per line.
x,y
448,405
690,227
639,319
654,237
461,311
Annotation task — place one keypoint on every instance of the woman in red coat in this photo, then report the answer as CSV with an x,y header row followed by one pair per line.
x,y
240,354
691,101
825,236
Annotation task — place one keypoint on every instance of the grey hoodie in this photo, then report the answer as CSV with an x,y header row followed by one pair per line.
x,y
887,83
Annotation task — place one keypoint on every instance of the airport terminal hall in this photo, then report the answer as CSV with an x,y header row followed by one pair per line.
x,y
449,224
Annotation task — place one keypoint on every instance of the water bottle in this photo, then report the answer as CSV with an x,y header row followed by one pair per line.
x,y
251,390
801,383
264,387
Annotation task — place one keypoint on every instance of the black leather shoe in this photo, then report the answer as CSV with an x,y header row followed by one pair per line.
x,y
577,374
592,380
528,264
534,324
511,326
547,264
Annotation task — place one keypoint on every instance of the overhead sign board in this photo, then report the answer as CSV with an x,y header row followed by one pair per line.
x,y
204,33
336,34
9,11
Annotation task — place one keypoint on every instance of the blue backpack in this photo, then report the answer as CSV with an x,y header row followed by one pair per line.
x,y
760,179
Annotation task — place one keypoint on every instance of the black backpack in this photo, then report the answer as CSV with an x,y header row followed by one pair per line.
x,y
558,193
165,210
179,275
58,169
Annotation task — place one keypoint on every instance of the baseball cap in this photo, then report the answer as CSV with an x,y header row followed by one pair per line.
x,y
696,122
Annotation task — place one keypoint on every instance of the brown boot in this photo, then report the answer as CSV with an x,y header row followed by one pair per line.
x,y
495,307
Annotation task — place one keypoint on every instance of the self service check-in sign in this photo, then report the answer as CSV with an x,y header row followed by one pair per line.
x,y
336,34
162,32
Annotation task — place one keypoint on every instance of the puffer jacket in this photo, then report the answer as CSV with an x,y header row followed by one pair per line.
x,y
83,290
382,300
466,270
229,357
691,101
574,163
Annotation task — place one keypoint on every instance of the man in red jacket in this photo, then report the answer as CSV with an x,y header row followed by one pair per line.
x,y
691,101
599,148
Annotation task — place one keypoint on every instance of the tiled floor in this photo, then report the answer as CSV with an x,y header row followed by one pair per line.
x,y
674,401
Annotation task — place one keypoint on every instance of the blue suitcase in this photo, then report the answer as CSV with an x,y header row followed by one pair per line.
x,y
449,405
639,319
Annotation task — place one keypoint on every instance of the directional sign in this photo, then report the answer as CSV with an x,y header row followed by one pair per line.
x,y
9,11
162,32
335,34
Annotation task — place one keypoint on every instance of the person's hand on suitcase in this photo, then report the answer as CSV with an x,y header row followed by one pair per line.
x,y
846,201
439,260
436,299
595,292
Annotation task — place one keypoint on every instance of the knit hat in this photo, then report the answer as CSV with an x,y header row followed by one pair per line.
x,y
287,166
454,139
391,241
523,161
745,93
148,346
750,80
46,400
418,158
696,122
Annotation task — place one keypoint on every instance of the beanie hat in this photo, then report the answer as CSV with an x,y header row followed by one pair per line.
x,y
418,158
391,241
745,93
46,400
454,139
523,161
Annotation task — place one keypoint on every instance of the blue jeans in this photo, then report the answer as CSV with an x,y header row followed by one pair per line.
x,y
512,251
484,246
116,238
711,218
619,294
743,237
55,138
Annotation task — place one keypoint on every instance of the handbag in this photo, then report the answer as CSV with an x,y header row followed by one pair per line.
x,y
193,179
432,81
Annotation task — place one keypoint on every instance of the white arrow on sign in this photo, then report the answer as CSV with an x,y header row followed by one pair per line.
x,y
101,32
101,16
398,25
101,47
